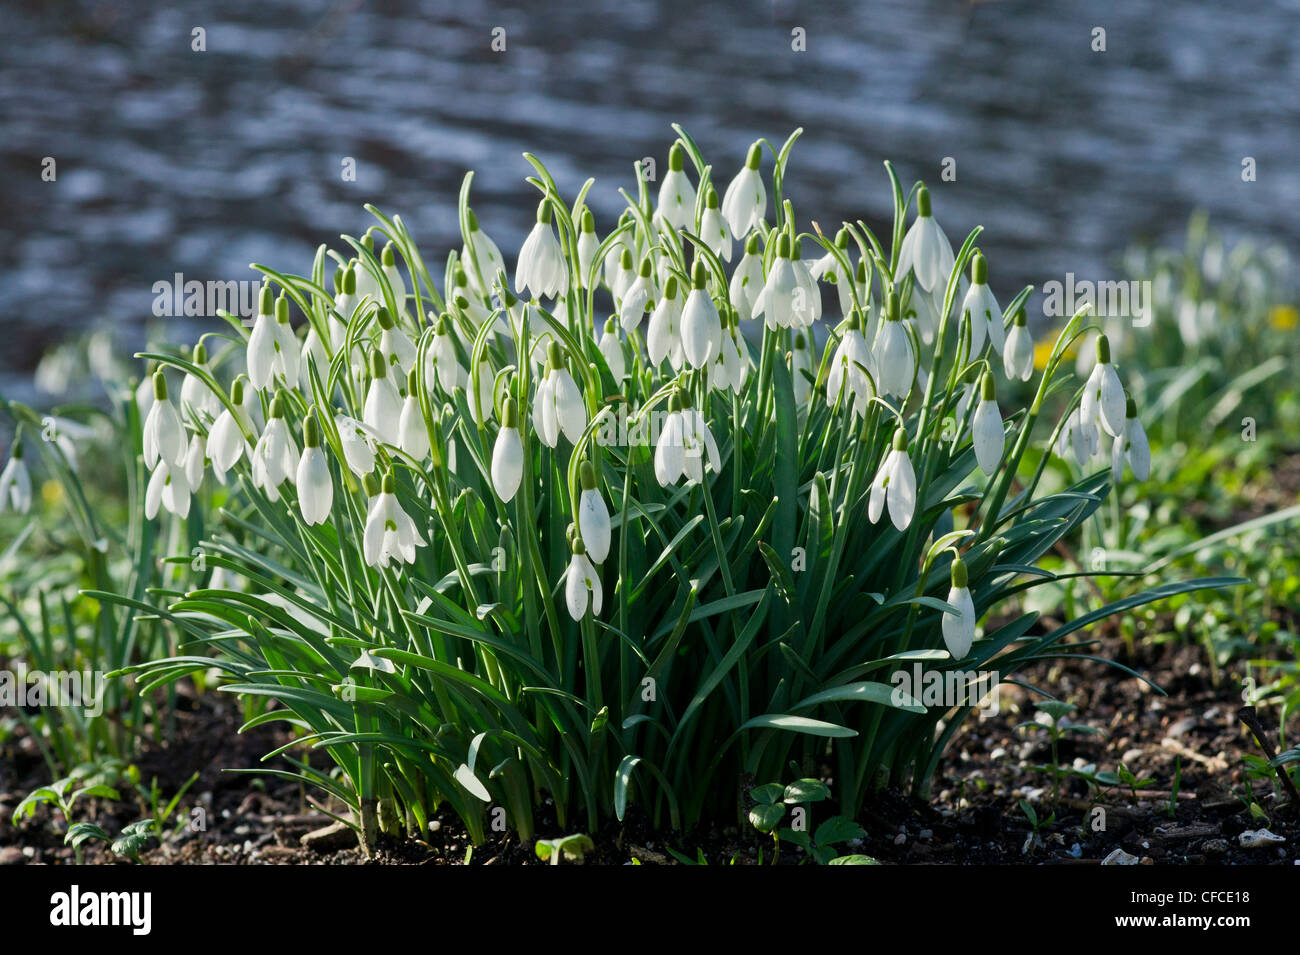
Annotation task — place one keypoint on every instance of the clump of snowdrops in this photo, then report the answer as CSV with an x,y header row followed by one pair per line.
x,y
665,504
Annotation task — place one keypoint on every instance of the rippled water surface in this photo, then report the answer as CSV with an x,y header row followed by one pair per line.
x,y
175,161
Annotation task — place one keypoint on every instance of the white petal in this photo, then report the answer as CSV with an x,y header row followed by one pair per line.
x,y
987,435
507,463
593,524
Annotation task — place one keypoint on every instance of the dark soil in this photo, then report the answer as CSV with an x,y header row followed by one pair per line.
x,y
974,817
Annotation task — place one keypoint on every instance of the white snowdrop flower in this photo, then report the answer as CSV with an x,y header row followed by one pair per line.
x,y
1132,446
802,372
593,515
383,409
63,433
729,370
273,348
316,353
829,269
164,437
315,486
981,310
697,444
16,482
345,304
926,250
482,257
776,300
664,334
986,428
558,407
611,347
747,280
541,270
390,534
195,462
194,391
413,436
624,275
894,483
807,300
701,326
393,275
959,628
744,204
226,441
1018,356
970,392
1103,395
852,370
442,365
588,246
582,584
395,345
636,298
144,395
508,454
676,194
368,287
472,305
168,488
275,459
713,227
670,453
288,350
1079,436
359,442
894,354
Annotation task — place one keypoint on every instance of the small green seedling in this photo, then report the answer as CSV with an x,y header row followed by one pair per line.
x,y
571,848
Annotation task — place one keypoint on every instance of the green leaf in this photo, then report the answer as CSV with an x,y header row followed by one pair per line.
x,y
768,794
764,818
806,790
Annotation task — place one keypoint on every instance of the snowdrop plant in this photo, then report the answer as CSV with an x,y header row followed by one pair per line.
x,y
695,583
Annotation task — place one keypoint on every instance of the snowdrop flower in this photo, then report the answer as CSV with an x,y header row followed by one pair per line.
x,y
358,442
226,441
395,346
894,354
776,301
802,372
164,437
664,335
1132,446
852,369
275,459
731,368
383,410
829,269
980,310
1103,395
623,276
16,482
713,227
1080,436
593,516
368,287
636,298
701,326
480,394
894,483
413,436
676,194
390,533
169,488
1018,356
959,628
195,392
442,365
471,304
315,487
744,204
611,347
558,406
482,257
684,444
807,297
986,429
582,584
926,250
508,454
588,246
924,314
393,275
272,347
747,280
541,269
195,462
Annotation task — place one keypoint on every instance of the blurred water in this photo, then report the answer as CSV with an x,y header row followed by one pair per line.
x,y
175,161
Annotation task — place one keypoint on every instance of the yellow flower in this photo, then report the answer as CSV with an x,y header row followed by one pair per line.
x,y
51,492
1043,352
1284,318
